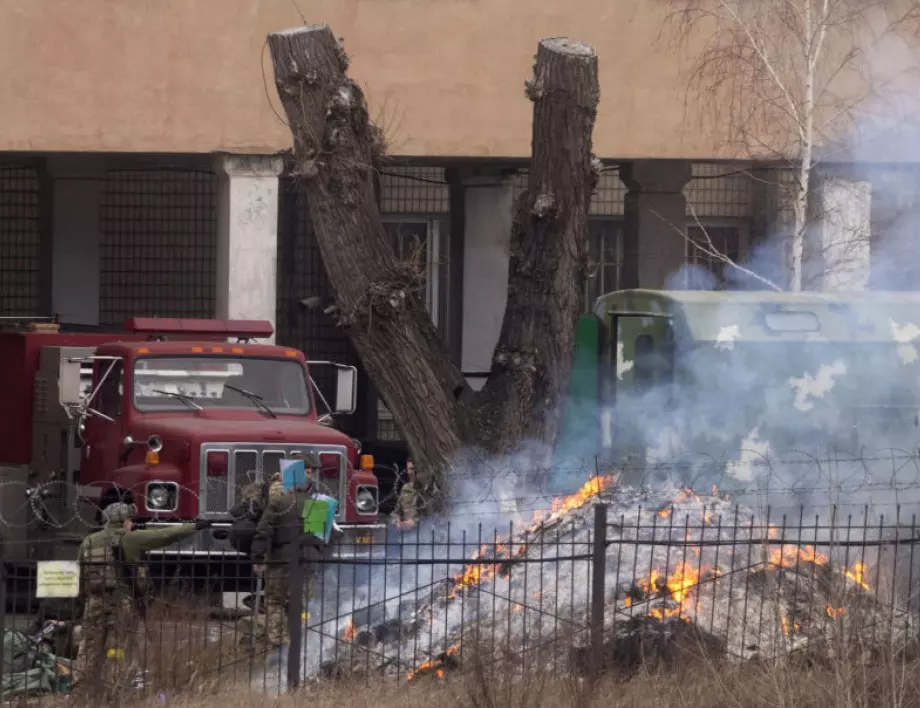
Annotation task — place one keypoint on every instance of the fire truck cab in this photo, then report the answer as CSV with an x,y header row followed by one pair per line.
x,y
175,416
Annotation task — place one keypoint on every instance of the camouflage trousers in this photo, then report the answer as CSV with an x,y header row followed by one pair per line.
x,y
107,634
272,627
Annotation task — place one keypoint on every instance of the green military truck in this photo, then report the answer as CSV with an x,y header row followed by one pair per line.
x,y
707,381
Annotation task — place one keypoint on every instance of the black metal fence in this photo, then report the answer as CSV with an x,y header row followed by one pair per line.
x,y
594,585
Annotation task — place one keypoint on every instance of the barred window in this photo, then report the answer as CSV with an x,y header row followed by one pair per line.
x,y
703,243
417,242
605,254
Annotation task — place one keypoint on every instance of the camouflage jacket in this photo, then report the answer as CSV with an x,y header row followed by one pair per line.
x,y
281,526
112,556
408,504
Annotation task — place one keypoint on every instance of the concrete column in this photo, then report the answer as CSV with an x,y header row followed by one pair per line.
x,y
75,183
247,245
655,222
489,201
842,232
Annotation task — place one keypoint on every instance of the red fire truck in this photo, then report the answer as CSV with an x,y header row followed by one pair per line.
x,y
174,415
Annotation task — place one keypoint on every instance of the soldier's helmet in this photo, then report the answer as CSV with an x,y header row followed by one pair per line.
x,y
119,512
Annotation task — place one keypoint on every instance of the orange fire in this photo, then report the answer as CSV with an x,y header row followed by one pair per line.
x,y
478,573
425,667
677,587
789,627
856,574
435,664
350,632
665,513
792,556
592,488
834,611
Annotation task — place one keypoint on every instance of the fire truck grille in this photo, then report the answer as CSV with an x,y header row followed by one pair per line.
x,y
221,488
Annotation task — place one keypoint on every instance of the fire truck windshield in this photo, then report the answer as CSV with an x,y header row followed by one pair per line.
x,y
191,382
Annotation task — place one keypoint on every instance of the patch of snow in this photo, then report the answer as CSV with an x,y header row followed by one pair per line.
x,y
725,339
905,335
753,451
816,386
622,364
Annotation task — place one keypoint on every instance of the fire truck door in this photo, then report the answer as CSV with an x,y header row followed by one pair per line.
x,y
104,423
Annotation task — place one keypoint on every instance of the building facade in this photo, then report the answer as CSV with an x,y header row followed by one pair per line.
x,y
142,165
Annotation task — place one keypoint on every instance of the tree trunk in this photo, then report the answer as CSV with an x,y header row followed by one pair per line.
x,y
380,300
523,400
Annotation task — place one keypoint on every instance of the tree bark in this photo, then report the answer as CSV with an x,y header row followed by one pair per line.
x,y
523,399
380,301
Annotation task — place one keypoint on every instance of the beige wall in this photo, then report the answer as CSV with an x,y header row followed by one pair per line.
x,y
446,76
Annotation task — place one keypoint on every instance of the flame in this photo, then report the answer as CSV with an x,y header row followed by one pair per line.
x,y
687,495
435,664
665,513
834,612
677,587
478,573
350,632
592,488
856,574
788,627
707,517
792,556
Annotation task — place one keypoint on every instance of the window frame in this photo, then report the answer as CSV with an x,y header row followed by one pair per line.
x,y
436,230
742,228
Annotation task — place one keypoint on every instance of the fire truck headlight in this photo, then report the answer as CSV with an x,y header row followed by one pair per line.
x,y
162,496
366,500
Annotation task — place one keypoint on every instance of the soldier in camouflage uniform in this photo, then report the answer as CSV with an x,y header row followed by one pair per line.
x,y
409,502
280,534
112,578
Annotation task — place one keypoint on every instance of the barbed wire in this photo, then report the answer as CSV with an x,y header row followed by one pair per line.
x,y
885,477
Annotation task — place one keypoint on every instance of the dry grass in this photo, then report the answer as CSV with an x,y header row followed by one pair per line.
x,y
845,684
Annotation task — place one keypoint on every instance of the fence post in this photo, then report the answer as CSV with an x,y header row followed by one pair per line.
x,y
598,575
295,617
3,600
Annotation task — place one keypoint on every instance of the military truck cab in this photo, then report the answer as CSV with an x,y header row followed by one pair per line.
x,y
706,374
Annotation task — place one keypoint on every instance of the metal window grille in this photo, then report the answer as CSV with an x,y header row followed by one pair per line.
x,y
608,199
20,241
605,247
302,274
720,239
722,190
417,243
407,191
414,190
158,249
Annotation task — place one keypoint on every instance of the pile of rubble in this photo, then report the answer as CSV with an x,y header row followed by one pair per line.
x,y
680,568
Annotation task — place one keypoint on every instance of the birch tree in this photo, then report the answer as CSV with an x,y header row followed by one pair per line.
x,y
791,81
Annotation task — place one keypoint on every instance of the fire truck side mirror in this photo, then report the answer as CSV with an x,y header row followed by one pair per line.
x,y
346,389
69,383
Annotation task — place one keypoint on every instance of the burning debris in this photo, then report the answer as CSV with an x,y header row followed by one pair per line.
x,y
699,569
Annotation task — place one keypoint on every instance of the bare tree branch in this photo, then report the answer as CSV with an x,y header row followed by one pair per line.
x,y
710,249
791,80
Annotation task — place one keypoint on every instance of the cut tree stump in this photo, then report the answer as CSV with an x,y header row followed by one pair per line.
x,y
379,300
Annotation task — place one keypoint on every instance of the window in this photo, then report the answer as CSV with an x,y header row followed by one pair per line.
x,y
605,256
710,273
190,382
108,398
417,242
